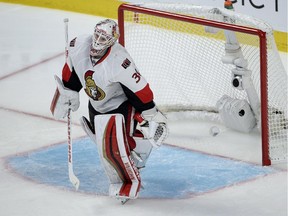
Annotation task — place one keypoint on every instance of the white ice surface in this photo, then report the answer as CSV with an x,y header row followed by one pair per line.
x,y
30,35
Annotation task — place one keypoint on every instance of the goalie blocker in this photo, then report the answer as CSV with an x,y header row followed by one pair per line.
x,y
63,100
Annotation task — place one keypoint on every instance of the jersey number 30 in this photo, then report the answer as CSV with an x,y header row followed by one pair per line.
x,y
136,76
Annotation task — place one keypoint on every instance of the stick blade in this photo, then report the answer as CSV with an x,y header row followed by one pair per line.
x,y
74,180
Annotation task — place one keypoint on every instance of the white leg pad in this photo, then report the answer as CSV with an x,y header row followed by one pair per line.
x,y
115,156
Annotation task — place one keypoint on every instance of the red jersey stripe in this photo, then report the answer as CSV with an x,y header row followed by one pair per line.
x,y
66,73
145,94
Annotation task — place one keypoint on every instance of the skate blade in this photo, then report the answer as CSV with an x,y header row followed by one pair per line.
x,y
124,201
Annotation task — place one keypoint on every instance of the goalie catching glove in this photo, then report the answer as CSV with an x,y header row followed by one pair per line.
x,y
153,125
64,99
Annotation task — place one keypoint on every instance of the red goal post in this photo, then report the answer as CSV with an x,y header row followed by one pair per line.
x,y
124,8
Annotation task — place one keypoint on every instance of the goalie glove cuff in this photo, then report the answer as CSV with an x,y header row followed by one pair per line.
x,y
154,115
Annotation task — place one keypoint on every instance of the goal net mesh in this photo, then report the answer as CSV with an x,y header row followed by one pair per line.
x,y
182,63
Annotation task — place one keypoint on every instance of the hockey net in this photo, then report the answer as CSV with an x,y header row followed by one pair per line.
x,y
182,62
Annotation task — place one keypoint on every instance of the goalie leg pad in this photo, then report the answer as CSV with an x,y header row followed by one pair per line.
x,y
236,114
115,156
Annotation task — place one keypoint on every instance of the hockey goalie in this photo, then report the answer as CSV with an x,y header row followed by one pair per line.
x,y
124,121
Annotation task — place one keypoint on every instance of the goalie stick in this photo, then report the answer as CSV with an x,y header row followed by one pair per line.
x,y
72,177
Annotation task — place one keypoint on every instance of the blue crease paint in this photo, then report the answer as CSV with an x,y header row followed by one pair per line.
x,y
171,172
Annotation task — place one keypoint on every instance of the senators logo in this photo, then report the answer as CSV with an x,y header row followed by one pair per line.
x,y
92,90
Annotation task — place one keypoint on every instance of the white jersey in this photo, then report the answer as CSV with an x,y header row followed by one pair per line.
x,y
101,79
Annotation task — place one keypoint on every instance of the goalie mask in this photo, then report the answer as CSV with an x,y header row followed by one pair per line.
x,y
105,35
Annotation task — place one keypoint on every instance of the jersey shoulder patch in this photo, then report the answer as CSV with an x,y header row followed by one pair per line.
x,y
126,63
